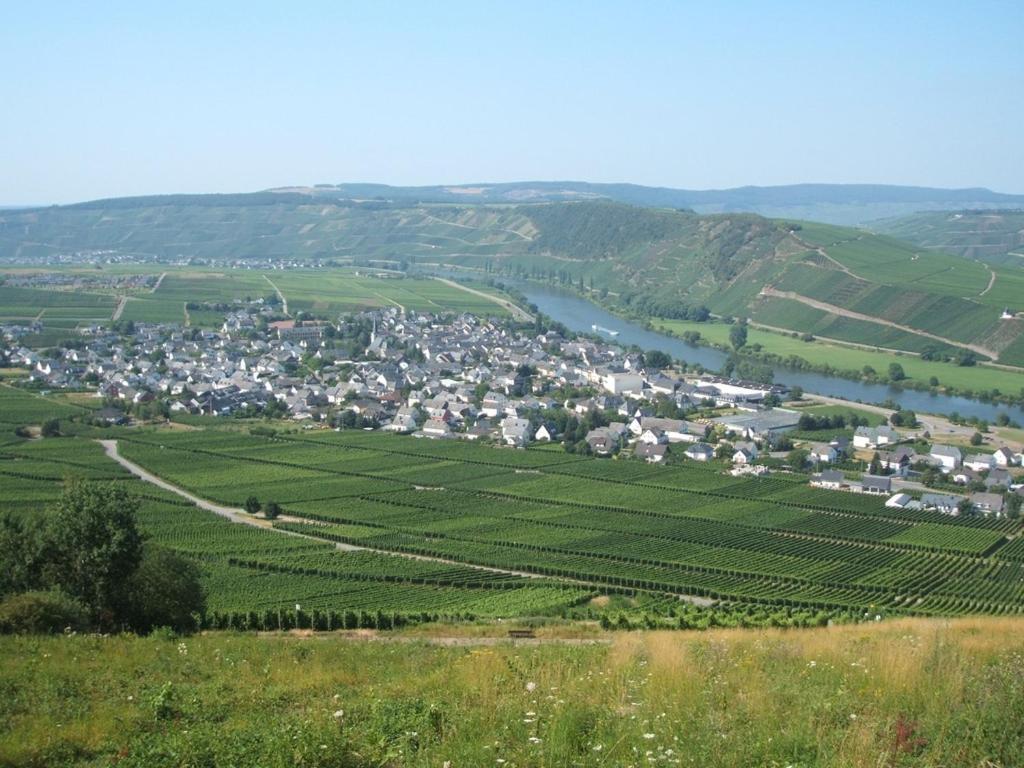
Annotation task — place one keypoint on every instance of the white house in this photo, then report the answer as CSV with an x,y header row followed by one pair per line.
x,y
652,453
618,383
1003,457
830,478
822,453
544,432
700,452
980,462
948,457
874,437
437,428
515,431
744,453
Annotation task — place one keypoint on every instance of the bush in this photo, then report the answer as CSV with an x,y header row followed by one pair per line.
x,y
41,612
165,591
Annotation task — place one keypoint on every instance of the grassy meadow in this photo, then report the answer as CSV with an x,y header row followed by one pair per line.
x,y
912,692
845,357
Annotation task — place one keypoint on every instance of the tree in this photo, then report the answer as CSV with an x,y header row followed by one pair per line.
x,y
796,393
38,612
965,507
93,545
896,372
656,359
1013,505
875,467
50,428
738,334
164,591
21,553
271,510
252,505
797,458
977,438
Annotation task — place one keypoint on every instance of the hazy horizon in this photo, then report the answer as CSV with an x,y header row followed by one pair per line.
x,y
126,100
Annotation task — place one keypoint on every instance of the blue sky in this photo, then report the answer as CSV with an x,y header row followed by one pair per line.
x,y
104,99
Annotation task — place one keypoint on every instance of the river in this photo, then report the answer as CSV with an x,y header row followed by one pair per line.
x,y
580,315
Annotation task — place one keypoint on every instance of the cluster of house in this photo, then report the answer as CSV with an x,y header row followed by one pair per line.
x,y
435,376
78,281
989,469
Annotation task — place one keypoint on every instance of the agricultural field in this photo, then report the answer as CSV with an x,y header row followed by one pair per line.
x,y
60,311
20,407
251,574
820,352
327,292
685,530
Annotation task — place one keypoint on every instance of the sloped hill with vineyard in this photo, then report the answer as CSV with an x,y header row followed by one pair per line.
x,y
839,282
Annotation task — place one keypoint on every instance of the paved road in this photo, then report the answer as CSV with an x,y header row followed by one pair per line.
x,y
238,515
517,312
284,301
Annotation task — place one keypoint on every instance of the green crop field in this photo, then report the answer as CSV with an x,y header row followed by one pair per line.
x,y
325,292
61,309
587,525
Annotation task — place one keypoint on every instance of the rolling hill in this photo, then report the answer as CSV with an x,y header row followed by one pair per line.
x,y
831,203
994,236
832,281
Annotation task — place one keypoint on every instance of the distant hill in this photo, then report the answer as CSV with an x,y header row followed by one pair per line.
x,y
806,277
829,203
995,236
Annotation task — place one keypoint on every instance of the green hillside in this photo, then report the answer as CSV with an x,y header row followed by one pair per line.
x,y
993,236
833,281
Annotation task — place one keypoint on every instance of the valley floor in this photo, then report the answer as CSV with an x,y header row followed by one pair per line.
x,y
911,692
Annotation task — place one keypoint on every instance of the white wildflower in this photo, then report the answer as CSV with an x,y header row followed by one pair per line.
x,y
339,714
531,687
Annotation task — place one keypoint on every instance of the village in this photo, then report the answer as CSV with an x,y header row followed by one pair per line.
x,y
463,377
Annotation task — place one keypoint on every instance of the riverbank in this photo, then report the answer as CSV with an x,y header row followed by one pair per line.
x,y
851,361
581,314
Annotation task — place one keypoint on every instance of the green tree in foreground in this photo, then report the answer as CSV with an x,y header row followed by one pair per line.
x,y
93,545
86,564
164,591
252,505
977,438
50,428
271,510
896,372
